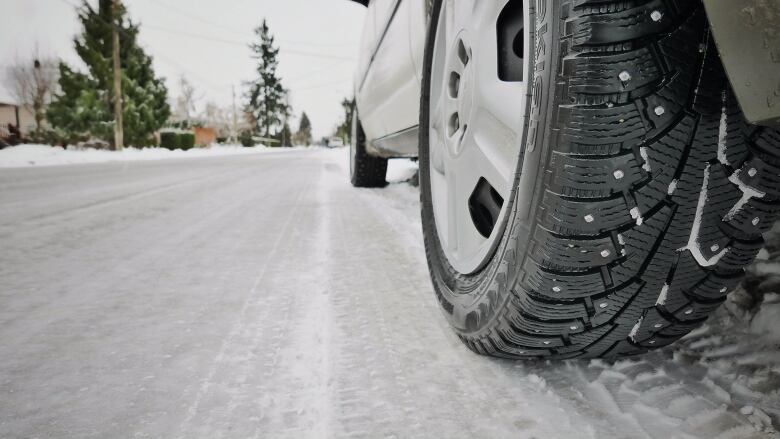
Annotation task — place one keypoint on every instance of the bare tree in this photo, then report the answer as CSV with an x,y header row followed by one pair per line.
x,y
218,118
185,103
33,83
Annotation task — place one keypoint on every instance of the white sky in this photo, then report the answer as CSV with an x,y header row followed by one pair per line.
x,y
214,55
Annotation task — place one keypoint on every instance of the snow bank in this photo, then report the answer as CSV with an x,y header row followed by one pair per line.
x,y
45,155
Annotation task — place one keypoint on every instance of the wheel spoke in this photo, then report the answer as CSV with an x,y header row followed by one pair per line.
x,y
483,160
461,181
452,208
475,133
458,16
501,107
437,151
439,192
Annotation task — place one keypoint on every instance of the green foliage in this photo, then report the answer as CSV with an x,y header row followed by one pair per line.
x,y
186,140
344,130
177,140
246,139
285,136
84,106
303,136
169,140
267,98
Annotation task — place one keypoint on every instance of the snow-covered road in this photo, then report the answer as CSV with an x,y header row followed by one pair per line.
x,y
262,296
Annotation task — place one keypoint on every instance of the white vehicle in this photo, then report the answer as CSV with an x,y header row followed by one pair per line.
x,y
335,142
591,185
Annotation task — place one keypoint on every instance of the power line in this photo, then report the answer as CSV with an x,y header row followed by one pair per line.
x,y
192,16
318,71
326,84
218,40
214,87
245,44
218,25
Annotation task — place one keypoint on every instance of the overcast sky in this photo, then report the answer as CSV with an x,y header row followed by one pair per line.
x,y
206,40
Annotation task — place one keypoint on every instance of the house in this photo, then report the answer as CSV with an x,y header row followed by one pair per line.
x,y
14,114
204,136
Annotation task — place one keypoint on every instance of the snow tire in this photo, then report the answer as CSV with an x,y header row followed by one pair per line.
x,y
365,170
640,196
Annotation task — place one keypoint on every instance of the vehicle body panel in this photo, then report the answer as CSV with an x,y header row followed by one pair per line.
x,y
388,78
747,33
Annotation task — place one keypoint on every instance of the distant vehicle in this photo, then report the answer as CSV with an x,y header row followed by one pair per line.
x,y
592,184
335,142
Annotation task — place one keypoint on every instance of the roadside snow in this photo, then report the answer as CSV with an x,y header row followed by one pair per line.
x,y
45,155
400,170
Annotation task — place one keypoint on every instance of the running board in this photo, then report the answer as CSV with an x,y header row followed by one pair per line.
x,y
400,144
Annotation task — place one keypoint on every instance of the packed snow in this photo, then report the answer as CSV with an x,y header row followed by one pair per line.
x,y
45,155
262,296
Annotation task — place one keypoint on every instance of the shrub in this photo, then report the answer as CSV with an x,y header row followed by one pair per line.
x,y
169,140
246,139
186,140
175,139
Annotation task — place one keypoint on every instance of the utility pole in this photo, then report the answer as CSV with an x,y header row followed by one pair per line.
x,y
234,131
118,134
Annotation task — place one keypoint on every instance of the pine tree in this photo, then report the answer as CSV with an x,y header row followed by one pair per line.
x,y
303,136
285,135
84,106
267,97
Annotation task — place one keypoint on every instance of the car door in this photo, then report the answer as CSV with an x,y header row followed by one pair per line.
x,y
389,94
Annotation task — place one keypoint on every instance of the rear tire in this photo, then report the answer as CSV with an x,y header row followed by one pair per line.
x,y
364,170
640,196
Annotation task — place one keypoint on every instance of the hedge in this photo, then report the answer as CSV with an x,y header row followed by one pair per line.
x,y
246,139
177,140
186,140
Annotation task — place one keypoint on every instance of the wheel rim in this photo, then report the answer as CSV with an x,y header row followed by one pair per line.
x,y
476,124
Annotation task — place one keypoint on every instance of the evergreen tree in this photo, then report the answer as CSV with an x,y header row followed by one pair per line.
x,y
303,136
285,135
84,106
267,97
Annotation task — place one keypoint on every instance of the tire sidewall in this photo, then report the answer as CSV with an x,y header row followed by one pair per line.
x,y
471,302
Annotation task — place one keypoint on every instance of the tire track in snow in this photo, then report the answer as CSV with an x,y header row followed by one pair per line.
x,y
242,317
